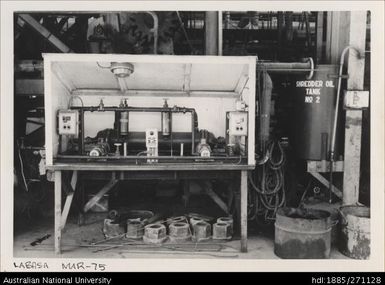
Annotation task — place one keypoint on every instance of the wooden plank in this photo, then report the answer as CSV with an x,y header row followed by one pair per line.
x,y
69,199
66,209
325,182
324,166
154,93
209,191
57,212
243,211
351,179
100,194
353,124
45,33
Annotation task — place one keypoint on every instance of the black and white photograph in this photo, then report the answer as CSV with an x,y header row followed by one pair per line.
x,y
195,134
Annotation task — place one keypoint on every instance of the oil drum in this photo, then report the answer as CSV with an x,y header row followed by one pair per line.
x,y
314,106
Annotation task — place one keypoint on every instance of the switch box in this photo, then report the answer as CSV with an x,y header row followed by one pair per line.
x,y
152,144
236,122
68,122
151,138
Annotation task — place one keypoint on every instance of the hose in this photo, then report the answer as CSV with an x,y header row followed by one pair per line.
x,y
268,179
268,183
22,167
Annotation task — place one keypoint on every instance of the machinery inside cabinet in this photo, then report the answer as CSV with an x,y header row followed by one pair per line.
x,y
148,109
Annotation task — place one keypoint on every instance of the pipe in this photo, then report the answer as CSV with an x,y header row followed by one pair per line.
x,y
264,122
334,130
29,66
288,67
175,109
211,33
155,29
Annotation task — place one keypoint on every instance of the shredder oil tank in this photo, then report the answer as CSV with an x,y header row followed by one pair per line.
x,y
314,105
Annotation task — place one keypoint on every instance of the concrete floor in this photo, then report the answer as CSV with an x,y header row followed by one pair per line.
x,y
76,242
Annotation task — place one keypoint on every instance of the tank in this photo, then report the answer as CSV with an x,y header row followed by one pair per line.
x,y
314,105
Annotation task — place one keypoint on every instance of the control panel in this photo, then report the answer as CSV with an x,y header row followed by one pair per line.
x,y
68,122
236,123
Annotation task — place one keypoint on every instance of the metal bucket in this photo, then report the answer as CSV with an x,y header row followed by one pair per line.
x,y
302,233
355,231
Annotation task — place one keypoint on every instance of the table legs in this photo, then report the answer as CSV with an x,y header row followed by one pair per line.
x,y
58,211
243,211
58,222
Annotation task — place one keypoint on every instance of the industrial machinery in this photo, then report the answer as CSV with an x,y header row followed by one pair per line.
x,y
145,109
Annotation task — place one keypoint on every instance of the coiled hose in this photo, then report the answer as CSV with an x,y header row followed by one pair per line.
x,y
268,183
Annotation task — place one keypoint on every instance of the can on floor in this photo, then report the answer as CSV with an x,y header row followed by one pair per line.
x,y
302,233
355,231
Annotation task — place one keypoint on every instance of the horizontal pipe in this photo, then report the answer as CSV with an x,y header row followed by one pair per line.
x,y
135,109
144,157
29,66
160,93
285,67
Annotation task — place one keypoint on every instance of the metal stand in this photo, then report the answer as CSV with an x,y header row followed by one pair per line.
x,y
61,216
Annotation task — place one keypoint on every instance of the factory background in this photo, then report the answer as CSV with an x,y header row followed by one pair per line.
x,y
274,161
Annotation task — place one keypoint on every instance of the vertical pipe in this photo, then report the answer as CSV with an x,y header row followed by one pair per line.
x,y
125,149
220,33
192,132
319,38
264,126
211,33
81,135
